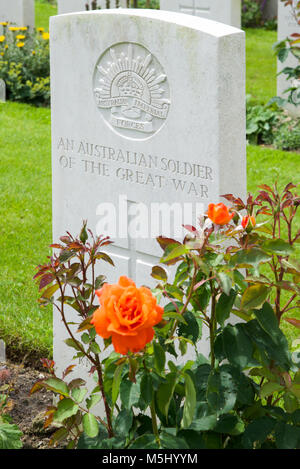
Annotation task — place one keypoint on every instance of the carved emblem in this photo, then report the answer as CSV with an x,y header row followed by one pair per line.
x,y
131,90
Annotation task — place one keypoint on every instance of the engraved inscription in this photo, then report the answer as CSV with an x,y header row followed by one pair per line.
x,y
131,167
131,90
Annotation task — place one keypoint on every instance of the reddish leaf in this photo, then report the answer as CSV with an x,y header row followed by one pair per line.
x,y
45,280
295,322
164,242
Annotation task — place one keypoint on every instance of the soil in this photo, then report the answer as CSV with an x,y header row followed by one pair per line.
x,y
27,409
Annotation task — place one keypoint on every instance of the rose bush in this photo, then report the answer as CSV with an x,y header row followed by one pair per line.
x,y
239,262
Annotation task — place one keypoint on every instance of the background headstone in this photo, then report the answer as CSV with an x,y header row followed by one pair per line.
x,y
287,25
71,6
148,107
270,10
2,91
2,351
224,11
18,12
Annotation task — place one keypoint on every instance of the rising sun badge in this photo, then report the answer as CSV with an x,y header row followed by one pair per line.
x,y
131,90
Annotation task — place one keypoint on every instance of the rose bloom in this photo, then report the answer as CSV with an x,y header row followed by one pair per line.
x,y
219,214
127,314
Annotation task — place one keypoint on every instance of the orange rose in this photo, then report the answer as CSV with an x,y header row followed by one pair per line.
x,y
127,314
248,223
219,214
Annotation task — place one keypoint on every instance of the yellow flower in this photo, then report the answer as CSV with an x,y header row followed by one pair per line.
x,y
23,28
20,44
33,52
2,38
14,28
1,53
20,36
46,36
3,23
40,30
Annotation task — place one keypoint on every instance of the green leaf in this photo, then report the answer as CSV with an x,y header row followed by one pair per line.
x,y
225,282
100,280
159,273
237,346
221,393
191,329
65,409
147,388
190,402
49,292
269,388
72,343
165,393
278,246
57,385
117,382
178,251
123,422
287,436
224,306
145,442
159,357
258,431
129,393
229,424
249,257
10,436
254,296
93,400
78,394
90,425
169,441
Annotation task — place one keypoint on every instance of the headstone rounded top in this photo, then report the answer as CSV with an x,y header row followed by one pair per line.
x,y
204,25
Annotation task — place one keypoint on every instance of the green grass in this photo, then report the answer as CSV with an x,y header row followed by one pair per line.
x,y
25,211
43,10
261,65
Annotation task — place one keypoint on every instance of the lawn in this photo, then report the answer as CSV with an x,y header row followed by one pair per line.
x,y
43,10
25,195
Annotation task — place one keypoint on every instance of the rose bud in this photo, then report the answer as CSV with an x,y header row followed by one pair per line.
x,y
219,214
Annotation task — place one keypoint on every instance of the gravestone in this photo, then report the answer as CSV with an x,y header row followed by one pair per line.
x,y
18,12
270,10
148,127
224,11
71,6
2,91
287,25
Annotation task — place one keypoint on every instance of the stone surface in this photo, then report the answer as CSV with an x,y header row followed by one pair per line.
x,y
287,25
2,351
19,12
2,91
148,113
224,11
71,6
270,10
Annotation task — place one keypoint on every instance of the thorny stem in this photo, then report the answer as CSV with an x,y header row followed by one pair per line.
x,y
95,362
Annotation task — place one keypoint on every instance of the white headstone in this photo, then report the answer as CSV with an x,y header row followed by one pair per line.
x,y
2,91
18,12
224,11
149,107
270,10
71,6
287,25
